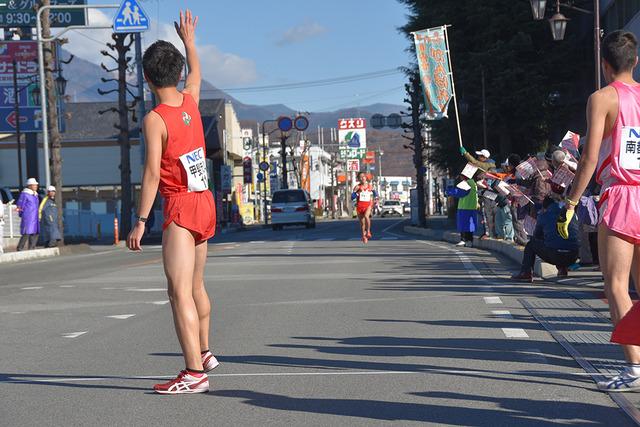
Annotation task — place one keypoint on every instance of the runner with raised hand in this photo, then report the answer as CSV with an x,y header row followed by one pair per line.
x,y
175,164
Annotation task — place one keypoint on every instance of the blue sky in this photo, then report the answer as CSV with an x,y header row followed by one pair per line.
x,y
248,43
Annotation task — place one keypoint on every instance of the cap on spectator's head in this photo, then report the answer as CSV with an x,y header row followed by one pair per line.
x,y
51,188
484,153
32,181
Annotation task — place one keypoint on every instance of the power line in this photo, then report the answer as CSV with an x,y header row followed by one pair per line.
x,y
314,83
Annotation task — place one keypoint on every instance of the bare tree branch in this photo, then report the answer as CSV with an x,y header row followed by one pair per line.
x,y
106,92
111,109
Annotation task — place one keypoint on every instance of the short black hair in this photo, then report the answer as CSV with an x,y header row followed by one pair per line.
x,y
514,160
162,64
620,50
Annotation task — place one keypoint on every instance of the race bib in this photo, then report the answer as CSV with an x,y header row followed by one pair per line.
x,y
365,196
629,157
196,168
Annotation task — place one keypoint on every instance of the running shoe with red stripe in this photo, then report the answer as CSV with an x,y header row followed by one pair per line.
x,y
184,383
209,362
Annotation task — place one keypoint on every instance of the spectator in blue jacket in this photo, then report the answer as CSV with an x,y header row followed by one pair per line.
x,y
548,244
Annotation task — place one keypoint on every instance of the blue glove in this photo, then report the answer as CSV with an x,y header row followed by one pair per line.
x,y
354,195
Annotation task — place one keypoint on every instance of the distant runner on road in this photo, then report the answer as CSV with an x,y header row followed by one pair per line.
x,y
364,195
175,164
613,145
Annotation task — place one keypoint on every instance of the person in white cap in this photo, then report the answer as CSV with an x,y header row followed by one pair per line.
x,y
48,214
482,161
28,210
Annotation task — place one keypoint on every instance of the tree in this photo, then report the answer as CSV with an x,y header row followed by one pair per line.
x,y
536,88
121,46
52,117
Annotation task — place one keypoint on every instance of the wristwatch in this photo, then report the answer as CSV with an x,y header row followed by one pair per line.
x,y
142,219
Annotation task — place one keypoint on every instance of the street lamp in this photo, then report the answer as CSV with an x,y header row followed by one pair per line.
x,y
558,23
537,8
61,85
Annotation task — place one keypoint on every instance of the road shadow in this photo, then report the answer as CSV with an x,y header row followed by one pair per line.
x,y
509,411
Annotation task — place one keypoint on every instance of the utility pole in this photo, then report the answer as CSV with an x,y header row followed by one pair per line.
x,y
16,106
484,112
418,156
52,117
283,155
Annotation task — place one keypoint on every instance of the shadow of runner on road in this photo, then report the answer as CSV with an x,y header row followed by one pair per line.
x,y
513,412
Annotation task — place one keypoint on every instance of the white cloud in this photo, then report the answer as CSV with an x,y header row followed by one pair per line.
x,y
219,68
300,33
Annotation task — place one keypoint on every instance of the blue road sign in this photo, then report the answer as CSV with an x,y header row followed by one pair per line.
x,y
131,18
30,120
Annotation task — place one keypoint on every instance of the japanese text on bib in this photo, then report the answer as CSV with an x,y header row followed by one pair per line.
x,y
629,157
196,168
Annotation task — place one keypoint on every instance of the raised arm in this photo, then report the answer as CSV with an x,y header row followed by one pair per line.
x,y
187,31
154,131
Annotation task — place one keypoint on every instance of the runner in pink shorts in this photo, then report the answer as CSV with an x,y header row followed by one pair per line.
x,y
612,151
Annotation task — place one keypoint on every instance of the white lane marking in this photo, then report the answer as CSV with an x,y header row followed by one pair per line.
x,y
533,355
146,289
515,333
298,374
160,302
257,241
505,314
73,334
67,286
120,316
30,288
492,300
17,312
389,238
386,230
342,300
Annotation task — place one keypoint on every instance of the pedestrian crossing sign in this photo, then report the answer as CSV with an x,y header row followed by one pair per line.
x,y
131,18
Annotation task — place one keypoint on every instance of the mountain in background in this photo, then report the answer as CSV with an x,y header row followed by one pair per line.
x,y
84,82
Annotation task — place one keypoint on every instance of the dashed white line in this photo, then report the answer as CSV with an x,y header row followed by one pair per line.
x,y
492,300
160,302
30,288
73,334
67,286
146,289
120,316
515,333
505,314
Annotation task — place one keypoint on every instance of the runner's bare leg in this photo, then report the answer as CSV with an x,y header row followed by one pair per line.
x,y
363,225
178,254
200,296
616,259
367,220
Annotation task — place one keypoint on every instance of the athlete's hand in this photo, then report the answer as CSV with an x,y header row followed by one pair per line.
x,y
563,221
463,150
135,236
186,29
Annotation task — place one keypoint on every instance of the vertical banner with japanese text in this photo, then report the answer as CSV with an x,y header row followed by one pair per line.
x,y
435,70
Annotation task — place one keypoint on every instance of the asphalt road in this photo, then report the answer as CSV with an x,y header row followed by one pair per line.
x,y
311,327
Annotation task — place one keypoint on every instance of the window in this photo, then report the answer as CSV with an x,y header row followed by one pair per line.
x,y
292,196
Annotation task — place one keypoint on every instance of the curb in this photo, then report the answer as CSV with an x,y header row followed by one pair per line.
x,y
511,251
29,255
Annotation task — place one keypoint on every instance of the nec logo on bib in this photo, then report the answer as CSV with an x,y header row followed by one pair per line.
x,y
196,169
630,148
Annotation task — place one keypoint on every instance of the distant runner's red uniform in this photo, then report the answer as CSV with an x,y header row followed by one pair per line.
x,y
184,182
365,198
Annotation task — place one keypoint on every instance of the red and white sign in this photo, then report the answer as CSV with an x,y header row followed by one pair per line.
x,y
11,119
350,124
353,165
26,55
370,158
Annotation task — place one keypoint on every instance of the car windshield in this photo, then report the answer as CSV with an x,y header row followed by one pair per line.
x,y
289,197
392,203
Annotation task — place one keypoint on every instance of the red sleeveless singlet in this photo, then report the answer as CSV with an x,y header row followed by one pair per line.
x,y
184,181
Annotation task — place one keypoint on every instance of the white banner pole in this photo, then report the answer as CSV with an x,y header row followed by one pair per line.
x,y
453,84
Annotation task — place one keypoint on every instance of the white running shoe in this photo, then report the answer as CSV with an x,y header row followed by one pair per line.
x,y
461,243
184,383
209,362
626,381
